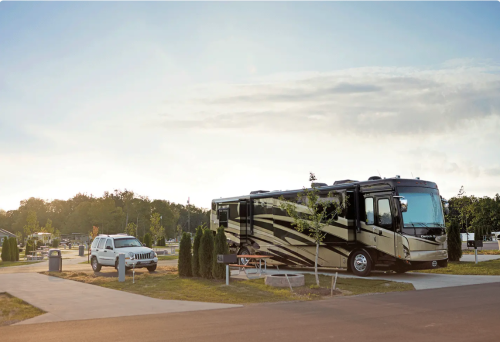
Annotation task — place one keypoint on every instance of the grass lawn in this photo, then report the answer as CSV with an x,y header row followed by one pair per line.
x,y
481,252
166,284
469,268
13,310
18,263
168,257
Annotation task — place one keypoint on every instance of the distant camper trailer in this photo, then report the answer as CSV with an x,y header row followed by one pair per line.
x,y
389,224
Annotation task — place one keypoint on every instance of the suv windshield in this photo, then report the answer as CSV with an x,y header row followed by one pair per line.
x,y
424,207
127,242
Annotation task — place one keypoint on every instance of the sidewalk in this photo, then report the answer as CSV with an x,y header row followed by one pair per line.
x,y
66,300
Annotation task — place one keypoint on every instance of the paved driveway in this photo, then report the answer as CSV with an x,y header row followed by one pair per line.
x,y
66,300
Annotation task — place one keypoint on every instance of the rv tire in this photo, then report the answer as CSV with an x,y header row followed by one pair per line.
x,y
360,263
244,251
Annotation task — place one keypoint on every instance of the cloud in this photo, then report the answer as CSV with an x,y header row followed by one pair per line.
x,y
364,101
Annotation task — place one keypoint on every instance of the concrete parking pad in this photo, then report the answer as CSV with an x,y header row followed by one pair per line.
x,y
471,258
421,281
66,300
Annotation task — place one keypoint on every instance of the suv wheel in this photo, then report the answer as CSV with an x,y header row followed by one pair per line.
x,y
95,265
152,268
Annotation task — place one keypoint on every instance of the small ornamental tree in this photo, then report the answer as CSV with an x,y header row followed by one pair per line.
x,y
55,243
221,247
148,241
454,240
6,249
196,251
155,227
14,250
184,265
311,213
206,252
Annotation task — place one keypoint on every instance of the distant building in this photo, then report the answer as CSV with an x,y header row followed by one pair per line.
x,y
6,234
75,237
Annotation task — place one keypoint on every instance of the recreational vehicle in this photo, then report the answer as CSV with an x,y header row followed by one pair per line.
x,y
388,224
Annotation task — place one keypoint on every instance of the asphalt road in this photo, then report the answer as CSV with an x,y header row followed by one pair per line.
x,y
466,313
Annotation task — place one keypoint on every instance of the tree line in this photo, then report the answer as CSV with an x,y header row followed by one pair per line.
x,y
478,215
113,212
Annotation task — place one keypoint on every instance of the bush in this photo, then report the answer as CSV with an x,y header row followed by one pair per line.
x,y
206,252
6,250
219,270
161,241
14,250
55,243
195,262
148,241
454,240
29,247
184,267
39,243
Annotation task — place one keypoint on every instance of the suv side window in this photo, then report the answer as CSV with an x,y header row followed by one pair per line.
x,y
101,243
370,219
95,242
109,243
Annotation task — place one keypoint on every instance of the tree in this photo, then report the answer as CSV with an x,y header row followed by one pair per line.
x,y
147,240
221,247
454,240
206,253
131,229
155,227
48,228
6,255
196,250
32,225
14,250
311,213
184,265
30,246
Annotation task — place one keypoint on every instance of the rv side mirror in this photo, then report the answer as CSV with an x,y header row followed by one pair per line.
x,y
404,204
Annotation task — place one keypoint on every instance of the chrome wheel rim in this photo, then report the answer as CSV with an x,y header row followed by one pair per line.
x,y
244,261
360,263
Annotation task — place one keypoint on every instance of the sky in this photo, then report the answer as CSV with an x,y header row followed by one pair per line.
x,y
210,100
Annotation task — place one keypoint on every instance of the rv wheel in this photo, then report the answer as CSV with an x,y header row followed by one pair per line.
x,y
360,263
244,251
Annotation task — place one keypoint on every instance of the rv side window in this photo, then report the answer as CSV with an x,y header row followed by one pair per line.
x,y
370,219
384,213
223,217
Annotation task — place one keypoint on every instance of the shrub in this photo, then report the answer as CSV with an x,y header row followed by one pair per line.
x,y
6,250
14,250
29,247
161,241
196,252
454,240
185,256
39,243
148,241
219,270
206,253
55,243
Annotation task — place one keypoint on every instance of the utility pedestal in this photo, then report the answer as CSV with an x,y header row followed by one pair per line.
x,y
121,267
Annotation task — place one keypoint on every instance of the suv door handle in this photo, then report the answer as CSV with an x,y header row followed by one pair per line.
x,y
105,251
380,232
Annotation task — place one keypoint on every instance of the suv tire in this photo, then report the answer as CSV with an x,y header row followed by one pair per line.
x,y
95,264
151,268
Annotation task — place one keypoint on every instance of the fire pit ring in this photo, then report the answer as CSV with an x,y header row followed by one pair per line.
x,y
280,280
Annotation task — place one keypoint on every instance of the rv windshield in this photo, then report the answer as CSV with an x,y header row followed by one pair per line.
x,y
424,207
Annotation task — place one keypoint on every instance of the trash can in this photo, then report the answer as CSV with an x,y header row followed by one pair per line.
x,y
81,250
55,260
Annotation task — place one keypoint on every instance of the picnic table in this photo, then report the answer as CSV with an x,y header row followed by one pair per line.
x,y
34,255
254,261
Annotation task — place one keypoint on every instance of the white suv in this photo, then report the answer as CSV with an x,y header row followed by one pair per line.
x,y
106,248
